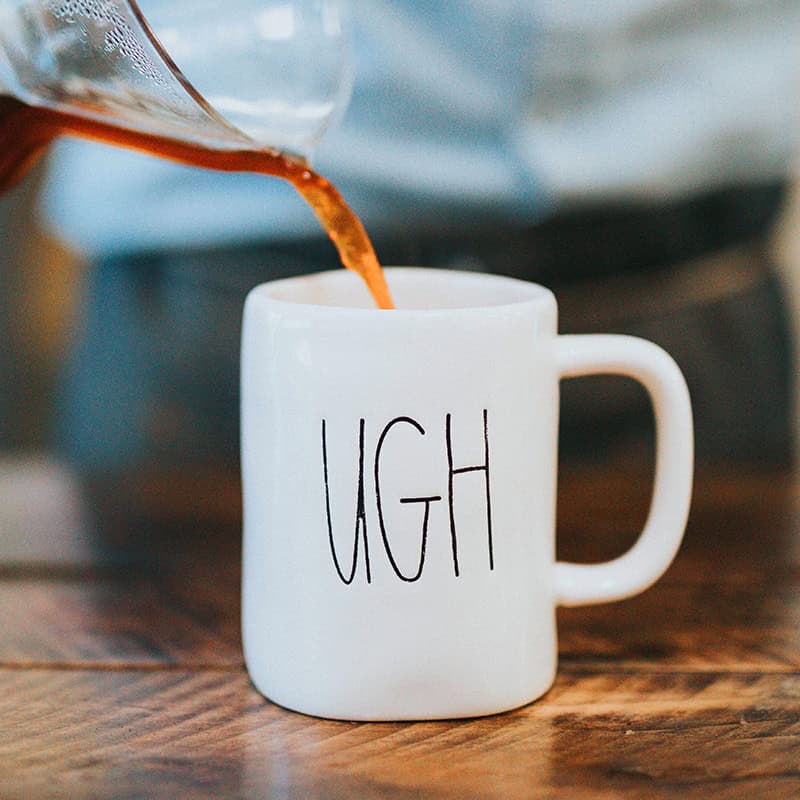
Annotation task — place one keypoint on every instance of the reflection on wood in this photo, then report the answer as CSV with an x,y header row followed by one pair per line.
x,y
208,733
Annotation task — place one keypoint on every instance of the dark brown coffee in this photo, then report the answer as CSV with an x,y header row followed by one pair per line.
x,y
26,131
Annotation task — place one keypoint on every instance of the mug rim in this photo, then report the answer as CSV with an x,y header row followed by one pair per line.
x,y
521,293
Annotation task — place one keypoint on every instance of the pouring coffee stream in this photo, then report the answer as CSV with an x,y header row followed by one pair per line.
x,y
26,132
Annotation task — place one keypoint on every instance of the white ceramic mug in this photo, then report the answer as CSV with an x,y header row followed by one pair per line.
x,y
399,475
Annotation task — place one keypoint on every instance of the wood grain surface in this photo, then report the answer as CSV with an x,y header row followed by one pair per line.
x,y
123,677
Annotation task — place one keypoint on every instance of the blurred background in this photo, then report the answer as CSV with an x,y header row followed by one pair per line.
x,y
636,156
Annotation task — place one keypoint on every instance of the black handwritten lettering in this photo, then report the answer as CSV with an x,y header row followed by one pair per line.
x,y
427,500
452,472
361,534
361,516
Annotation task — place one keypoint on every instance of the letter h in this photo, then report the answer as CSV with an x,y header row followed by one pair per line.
x,y
452,472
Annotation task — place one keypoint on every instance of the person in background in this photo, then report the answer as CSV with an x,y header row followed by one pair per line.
x,y
632,155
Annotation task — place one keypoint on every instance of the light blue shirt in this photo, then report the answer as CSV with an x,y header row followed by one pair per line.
x,y
482,111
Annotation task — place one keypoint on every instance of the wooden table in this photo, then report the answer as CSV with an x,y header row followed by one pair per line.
x,y
121,671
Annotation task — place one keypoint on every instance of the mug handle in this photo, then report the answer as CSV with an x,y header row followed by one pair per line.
x,y
648,559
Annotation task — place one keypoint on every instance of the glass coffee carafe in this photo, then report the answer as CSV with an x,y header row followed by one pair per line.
x,y
248,86
252,73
